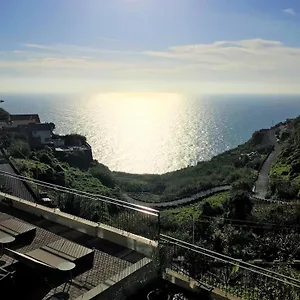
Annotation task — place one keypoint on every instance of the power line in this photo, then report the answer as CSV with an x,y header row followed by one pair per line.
x,y
231,260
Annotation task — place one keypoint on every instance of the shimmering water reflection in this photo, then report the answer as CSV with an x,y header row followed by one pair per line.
x,y
149,133
157,133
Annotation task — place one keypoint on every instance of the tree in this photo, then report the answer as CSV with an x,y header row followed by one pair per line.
x,y
74,139
209,210
45,158
19,149
242,185
4,115
239,205
103,173
257,137
52,126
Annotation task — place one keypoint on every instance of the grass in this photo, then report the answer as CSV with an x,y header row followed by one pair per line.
x,y
31,164
225,168
84,181
72,177
145,197
280,171
181,214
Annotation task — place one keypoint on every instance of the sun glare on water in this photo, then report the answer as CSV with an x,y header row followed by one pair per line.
x,y
133,126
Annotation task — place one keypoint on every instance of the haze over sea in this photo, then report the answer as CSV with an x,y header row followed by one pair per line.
x,y
157,133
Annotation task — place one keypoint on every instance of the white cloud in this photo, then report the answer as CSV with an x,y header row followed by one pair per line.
x,y
289,11
244,55
63,48
246,63
37,46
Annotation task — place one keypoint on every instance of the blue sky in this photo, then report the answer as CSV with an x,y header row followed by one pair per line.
x,y
150,45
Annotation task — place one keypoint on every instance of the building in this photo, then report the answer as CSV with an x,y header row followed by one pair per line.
x,y
39,135
58,141
24,119
20,119
35,262
48,254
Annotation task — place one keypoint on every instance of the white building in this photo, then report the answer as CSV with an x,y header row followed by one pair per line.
x,y
39,135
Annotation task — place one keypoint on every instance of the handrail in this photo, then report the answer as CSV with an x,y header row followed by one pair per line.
x,y
225,258
247,268
136,207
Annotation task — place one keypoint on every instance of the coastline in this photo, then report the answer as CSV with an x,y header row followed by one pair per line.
x,y
240,164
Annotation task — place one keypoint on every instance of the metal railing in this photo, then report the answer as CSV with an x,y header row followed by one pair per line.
x,y
126,216
232,276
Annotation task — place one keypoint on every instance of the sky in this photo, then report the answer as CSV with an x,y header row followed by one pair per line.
x,y
186,46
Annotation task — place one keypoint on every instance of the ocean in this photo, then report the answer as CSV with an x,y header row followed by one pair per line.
x,y
157,133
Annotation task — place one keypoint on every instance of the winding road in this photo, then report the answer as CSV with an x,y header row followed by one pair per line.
x,y
262,183
179,202
260,191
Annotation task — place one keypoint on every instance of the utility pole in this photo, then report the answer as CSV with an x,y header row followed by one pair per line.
x,y
193,228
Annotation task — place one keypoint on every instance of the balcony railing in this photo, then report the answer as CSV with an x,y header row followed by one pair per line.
x,y
128,217
232,276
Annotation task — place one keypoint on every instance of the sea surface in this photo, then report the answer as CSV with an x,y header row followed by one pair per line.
x,y
157,133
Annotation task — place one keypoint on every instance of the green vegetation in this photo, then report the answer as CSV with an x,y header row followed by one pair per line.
x,y
102,173
43,166
237,165
269,232
280,170
227,168
4,115
210,206
19,149
285,173
74,139
238,205
53,171
227,222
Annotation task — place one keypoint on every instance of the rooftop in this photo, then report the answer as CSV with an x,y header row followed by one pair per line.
x,y
109,258
37,127
72,148
25,117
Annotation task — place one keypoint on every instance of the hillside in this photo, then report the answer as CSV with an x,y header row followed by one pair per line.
x,y
239,164
229,222
285,173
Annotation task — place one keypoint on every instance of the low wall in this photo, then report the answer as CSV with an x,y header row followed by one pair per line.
x,y
195,287
112,234
124,284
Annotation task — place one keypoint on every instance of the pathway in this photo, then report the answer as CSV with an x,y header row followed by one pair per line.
x,y
179,202
262,183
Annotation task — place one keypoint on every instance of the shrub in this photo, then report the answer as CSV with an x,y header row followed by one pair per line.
x,y
243,185
4,115
74,139
103,173
46,159
19,149
239,205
